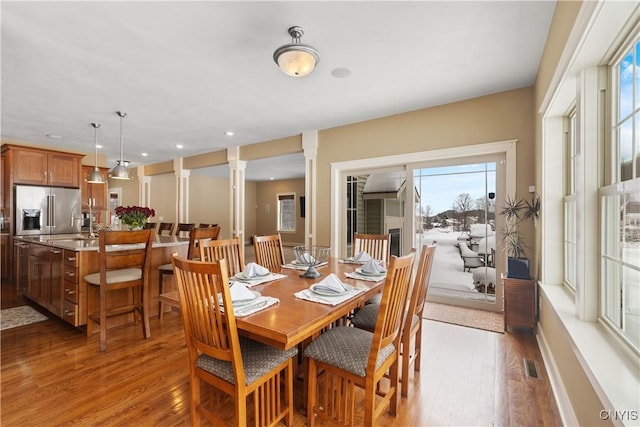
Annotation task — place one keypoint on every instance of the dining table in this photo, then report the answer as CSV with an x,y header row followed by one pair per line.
x,y
293,320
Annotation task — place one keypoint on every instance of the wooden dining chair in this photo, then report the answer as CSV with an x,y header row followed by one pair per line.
x,y
165,227
204,224
183,228
376,245
120,269
350,357
196,235
232,364
269,252
150,225
229,249
366,317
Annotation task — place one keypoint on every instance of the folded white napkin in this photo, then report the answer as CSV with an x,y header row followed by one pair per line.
x,y
240,292
362,256
331,283
372,267
252,270
306,259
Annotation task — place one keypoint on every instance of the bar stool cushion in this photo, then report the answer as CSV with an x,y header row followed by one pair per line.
x,y
346,348
116,276
257,359
166,267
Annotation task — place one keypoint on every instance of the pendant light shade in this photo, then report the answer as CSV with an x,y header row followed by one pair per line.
x,y
95,176
120,171
296,59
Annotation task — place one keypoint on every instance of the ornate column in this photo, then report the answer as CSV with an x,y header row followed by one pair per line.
x,y
236,193
310,147
144,190
182,191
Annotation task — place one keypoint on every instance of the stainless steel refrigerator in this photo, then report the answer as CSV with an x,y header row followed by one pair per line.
x,y
46,210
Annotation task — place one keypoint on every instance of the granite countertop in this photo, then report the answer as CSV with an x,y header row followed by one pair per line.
x,y
81,242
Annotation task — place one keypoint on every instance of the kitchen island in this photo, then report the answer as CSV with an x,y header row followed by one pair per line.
x,y
50,271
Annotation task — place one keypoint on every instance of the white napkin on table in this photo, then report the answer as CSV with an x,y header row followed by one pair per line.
x,y
372,267
252,270
240,292
362,256
331,283
306,259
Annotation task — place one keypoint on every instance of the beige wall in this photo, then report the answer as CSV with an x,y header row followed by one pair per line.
x,y
251,210
209,202
163,197
580,391
266,222
499,117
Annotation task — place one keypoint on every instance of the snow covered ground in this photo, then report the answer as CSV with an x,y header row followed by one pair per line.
x,y
448,277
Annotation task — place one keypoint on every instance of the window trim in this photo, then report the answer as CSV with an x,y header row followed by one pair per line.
x,y
279,198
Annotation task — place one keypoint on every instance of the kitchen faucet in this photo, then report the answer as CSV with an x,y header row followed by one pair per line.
x,y
91,233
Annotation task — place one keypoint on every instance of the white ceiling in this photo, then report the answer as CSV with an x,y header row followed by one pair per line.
x,y
186,72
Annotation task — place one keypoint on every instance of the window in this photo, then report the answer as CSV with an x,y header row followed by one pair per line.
x,y
570,237
620,204
287,212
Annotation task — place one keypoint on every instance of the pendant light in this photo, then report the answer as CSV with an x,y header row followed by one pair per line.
x,y
120,171
95,176
296,59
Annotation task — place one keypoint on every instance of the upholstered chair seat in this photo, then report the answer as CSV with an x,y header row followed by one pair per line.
x,y
116,276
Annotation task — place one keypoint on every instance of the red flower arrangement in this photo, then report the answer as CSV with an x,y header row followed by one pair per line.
x,y
134,216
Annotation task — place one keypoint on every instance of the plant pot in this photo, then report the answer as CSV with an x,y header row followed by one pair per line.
x,y
518,268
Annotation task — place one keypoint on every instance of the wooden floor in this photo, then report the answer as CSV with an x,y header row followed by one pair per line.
x,y
52,374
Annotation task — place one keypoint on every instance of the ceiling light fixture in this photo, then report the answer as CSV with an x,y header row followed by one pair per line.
x,y
120,171
296,59
95,176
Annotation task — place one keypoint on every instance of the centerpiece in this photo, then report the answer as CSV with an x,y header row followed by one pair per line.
x,y
310,257
134,216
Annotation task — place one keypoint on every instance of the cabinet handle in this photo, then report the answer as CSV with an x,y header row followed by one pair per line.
x,y
70,274
71,258
70,292
55,251
68,313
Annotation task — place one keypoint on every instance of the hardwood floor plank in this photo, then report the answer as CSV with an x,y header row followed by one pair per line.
x,y
52,374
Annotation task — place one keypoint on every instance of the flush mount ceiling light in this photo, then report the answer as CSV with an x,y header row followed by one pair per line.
x,y
120,171
296,59
95,176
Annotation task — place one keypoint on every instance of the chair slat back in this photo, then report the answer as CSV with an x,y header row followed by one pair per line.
x,y
150,225
392,306
124,249
229,249
204,224
421,283
269,252
165,226
183,228
197,235
376,245
207,328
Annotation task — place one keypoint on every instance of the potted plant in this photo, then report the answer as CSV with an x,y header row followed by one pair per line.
x,y
134,216
516,212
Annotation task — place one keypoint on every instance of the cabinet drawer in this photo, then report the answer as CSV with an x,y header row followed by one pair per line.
x,y
70,312
71,258
70,274
71,291
39,251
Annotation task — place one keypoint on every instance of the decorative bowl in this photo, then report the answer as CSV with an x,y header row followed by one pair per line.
x,y
311,256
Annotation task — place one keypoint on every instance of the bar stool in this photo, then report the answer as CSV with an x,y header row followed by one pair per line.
x,y
165,226
120,268
183,228
195,236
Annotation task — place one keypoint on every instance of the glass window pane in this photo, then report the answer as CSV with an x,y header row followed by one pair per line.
x,y
625,86
610,227
636,137
631,302
625,141
612,297
637,74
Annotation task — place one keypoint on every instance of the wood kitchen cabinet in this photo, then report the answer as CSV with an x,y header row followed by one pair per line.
x,y
45,277
4,256
95,194
43,167
519,303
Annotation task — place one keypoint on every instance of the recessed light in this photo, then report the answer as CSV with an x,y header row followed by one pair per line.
x,y
179,146
271,178
54,136
145,154
98,146
229,133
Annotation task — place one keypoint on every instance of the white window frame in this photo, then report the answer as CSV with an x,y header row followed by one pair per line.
x,y
570,200
280,198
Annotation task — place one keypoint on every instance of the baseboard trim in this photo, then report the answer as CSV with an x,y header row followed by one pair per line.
x,y
565,408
